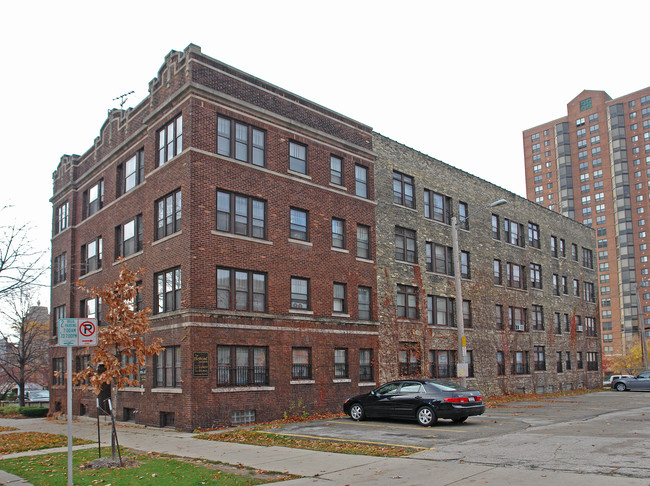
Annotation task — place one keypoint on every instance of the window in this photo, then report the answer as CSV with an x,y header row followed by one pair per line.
x,y
592,361
554,246
593,128
93,199
365,365
536,147
336,170
338,233
464,265
130,173
439,259
242,366
498,315
517,318
539,358
585,105
241,290
574,252
301,363
168,214
579,359
403,190
556,284
340,363
91,308
128,237
168,368
167,290
361,181
567,358
61,215
516,276
59,268
170,140
58,371
364,302
91,256
567,323
534,137
81,363
514,232
241,215
339,298
565,287
520,363
437,207
443,363
582,143
409,359
407,302
590,325
299,293
537,316
589,294
587,258
562,248
247,145
405,247
498,275
533,235
59,313
463,214
593,117
298,227
363,241
501,366
595,140
441,311
297,157
495,227
557,326
535,276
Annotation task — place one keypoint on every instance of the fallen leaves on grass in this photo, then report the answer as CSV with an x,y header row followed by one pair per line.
x,y
268,439
6,429
33,441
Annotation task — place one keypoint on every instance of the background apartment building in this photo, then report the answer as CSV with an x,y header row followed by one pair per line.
x,y
593,165
529,285
252,212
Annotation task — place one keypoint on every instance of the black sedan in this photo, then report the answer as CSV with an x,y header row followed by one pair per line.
x,y
423,400
639,382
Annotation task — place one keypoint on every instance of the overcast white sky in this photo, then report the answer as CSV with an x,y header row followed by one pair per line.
x,y
456,80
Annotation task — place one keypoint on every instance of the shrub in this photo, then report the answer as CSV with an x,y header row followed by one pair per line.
x,y
33,411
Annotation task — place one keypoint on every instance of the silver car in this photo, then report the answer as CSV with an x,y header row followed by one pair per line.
x,y
640,382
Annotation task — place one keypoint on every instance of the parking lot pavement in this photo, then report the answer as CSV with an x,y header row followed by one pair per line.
x,y
603,433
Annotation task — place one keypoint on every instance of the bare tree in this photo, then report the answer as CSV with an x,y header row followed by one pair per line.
x,y
26,340
20,262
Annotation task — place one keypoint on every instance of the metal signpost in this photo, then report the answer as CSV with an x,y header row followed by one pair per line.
x,y
72,333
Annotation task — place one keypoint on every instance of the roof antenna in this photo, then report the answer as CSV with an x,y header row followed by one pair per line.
x,y
123,98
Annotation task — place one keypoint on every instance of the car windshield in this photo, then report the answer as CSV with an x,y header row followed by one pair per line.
x,y
39,394
444,386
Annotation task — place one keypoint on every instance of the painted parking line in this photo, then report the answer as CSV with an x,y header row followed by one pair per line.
x,y
387,444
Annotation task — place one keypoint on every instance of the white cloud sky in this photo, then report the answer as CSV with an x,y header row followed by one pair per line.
x,y
458,81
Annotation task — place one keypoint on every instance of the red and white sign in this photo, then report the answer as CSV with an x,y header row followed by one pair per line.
x,y
87,332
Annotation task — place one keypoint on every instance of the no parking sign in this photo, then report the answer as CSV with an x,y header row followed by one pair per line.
x,y
77,332
87,332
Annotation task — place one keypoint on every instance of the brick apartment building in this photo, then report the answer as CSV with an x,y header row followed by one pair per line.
x,y
261,222
593,165
528,281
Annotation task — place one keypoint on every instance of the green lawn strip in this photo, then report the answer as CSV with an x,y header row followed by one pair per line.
x,y
264,438
52,470
34,441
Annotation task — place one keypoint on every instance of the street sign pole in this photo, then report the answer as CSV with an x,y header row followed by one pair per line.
x,y
69,412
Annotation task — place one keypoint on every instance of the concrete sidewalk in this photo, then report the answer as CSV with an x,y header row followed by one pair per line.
x,y
316,467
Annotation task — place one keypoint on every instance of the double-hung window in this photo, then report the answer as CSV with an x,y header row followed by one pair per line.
x,y
93,198
407,302
128,237
241,215
170,140
338,233
130,173
365,365
539,358
405,247
301,363
363,241
439,259
537,316
297,157
59,268
168,214
364,301
340,363
167,365
516,276
535,276
437,207
240,141
298,225
242,366
61,215
91,255
361,181
336,170
299,293
339,298
167,289
533,235
403,190
242,290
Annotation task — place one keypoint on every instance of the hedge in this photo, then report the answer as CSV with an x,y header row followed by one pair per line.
x,y
33,411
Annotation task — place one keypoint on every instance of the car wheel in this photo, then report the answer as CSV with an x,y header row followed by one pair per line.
x,y
459,420
426,416
356,412
620,386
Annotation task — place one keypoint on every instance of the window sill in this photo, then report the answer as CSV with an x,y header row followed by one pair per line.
x,y
299,174
167,390
132,255
364,260
338,186
339,314
168,237
341,380
302,382
241,237
242,389
304,312
404,207
301,242
139,389
340,250
367,383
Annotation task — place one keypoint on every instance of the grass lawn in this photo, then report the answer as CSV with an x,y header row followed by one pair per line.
x,y
52,470
260,437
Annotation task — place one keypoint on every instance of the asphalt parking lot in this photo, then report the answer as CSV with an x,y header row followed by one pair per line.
x,y
604,432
